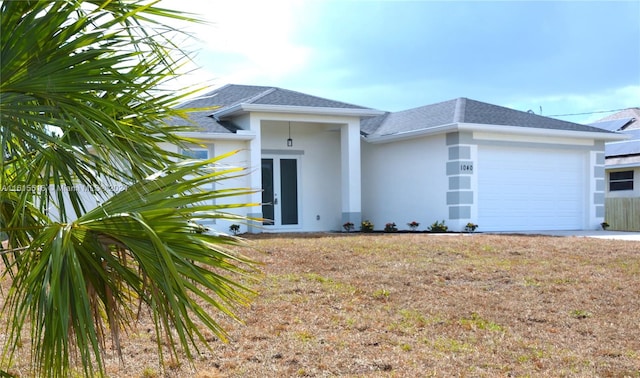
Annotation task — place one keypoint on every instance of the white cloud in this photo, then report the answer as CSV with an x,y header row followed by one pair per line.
x,y
245,41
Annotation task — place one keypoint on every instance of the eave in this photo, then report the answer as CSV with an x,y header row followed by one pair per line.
x,y
239,135
536,131
496,129
375,139
244,108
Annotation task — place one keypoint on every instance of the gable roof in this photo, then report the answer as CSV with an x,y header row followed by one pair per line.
x,y
463,110
231,98
233,94
222,103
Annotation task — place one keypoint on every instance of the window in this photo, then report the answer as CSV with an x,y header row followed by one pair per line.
x,y
200,154
622,180
196,153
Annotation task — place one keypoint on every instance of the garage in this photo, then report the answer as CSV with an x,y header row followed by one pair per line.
x,y
523,189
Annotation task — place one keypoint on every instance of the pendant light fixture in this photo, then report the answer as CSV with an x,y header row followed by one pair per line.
x,y
289,140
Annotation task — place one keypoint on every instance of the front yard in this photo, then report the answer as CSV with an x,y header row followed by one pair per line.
x,y
411,305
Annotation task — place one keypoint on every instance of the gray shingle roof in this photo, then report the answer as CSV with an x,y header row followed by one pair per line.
x,y
412,119
278,96
232,94
460,110
463,110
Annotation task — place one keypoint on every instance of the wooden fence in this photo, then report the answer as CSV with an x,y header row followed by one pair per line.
x,y
622,214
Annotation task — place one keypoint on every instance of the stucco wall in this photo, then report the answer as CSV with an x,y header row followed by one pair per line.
x,y
318,148
239,159
405,181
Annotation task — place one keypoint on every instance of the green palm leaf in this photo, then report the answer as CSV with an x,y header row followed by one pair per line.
x,y
80,107
82,278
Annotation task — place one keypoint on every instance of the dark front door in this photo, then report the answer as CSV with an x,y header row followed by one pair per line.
x,y
280,191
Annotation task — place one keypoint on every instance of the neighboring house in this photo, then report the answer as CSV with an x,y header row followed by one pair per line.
x,y
324,162
622,167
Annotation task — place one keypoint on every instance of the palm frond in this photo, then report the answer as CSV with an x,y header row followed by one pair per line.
x,y
80,106
85,277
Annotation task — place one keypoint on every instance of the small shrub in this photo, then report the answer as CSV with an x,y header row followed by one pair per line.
x,y
390,227
366,226
438,227
413,225
604,225
348,226
470,227
235,228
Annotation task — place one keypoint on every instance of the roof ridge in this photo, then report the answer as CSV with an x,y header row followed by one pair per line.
x,y
260,95
323,98
459,111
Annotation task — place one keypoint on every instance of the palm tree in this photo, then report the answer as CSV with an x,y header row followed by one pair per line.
x,y
82,114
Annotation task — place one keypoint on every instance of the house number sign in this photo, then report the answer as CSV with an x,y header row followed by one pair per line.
x,y
466,167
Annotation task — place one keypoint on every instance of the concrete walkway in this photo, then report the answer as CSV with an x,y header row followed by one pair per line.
x,y
619,235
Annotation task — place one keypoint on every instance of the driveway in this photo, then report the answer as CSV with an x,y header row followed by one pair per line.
x,y
601,234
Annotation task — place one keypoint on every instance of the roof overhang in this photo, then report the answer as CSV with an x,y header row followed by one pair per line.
x,y
535,131
247,108
448,128
617,162
496,129
239,135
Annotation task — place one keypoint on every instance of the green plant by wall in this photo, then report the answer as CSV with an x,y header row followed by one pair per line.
x,y
366,226
348,226
438,227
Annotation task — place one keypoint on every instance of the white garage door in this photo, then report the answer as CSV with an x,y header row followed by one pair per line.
x,y
522,189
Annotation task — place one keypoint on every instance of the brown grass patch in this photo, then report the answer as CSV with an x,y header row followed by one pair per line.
x,y
422,305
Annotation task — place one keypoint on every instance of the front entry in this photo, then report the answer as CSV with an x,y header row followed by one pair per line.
x,y
280,192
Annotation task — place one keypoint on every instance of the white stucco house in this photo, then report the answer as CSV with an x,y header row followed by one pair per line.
x,y
321,163
622,170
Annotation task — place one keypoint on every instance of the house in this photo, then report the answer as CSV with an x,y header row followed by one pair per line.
x,y
324,163
622,170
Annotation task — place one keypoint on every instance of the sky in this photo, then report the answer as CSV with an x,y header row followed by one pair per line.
x,y
550,57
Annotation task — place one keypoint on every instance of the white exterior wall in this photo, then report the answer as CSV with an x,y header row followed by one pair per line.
x,y
328,165
596,177
426,178
318,148
405,181
433,179
240,159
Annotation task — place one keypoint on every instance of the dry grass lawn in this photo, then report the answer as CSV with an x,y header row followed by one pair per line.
x,y
409,305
